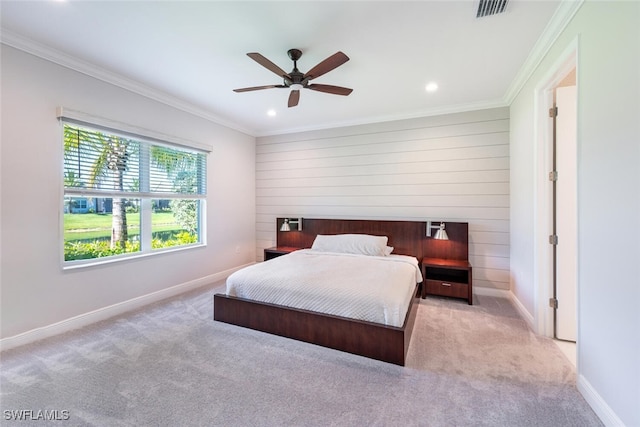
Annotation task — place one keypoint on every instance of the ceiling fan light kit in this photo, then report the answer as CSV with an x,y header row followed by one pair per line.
x,y
296,80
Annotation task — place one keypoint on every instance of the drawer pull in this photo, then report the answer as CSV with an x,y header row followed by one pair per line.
x,y
446,284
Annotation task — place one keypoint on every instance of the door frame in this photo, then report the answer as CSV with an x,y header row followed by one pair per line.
x,y
543,134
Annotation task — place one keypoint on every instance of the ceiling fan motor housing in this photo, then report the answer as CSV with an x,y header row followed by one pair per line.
x,y
296,77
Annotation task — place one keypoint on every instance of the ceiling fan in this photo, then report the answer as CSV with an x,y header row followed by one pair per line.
x,y
296,80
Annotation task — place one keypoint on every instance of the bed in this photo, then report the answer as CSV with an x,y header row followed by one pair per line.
x,y
370,288
383,336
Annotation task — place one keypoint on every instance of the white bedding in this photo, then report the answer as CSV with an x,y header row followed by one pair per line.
x,y
372,288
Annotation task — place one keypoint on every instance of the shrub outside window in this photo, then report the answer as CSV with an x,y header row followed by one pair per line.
x,y
129,195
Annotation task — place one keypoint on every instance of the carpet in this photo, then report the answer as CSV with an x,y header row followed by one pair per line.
x,y
170,364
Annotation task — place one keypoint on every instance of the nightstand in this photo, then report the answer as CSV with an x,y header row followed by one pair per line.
x,y
276,251
447,277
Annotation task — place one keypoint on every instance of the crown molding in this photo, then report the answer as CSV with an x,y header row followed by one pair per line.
x,y
24,44
559,21
19,42
562,16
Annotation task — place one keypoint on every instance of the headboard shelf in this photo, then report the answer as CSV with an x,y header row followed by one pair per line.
x,y
407,237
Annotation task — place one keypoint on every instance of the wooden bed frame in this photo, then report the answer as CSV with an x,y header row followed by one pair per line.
x,y
373,340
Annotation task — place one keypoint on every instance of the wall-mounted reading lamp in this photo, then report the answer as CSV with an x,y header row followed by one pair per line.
x,y
441,234
287,221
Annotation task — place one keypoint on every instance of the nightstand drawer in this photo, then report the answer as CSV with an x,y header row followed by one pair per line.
x,y
447,289
270,253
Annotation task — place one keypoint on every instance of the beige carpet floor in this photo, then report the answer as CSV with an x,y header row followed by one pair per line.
x,y
170,364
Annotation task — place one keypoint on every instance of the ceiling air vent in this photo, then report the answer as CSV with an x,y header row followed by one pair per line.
x,y
490,7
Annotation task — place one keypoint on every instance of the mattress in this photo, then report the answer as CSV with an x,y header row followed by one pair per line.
x,y
371,288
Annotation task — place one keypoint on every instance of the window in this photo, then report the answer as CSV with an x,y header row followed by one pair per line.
x,y
75,204
128,194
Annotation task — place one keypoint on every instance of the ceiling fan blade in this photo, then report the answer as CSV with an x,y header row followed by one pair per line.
x,y
247,89
335,90
334,61
268,64
294,97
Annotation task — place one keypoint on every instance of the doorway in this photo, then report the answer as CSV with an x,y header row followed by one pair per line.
x,y
556,201
564,209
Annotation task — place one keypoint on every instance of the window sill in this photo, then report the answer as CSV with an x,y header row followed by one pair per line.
x,y
88,263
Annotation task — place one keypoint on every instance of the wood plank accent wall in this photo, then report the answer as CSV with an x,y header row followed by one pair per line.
x,y
452,167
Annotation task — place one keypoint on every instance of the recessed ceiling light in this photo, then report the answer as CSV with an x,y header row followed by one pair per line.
x,y
431,87
271,113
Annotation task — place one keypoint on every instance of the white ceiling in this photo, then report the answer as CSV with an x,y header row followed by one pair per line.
x,y
192,54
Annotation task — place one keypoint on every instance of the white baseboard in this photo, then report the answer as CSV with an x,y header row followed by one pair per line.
x,y
504,293
492,292
109,311
597,403
528,317
599,406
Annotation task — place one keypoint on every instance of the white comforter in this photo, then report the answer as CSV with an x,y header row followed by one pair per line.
x,y
372,288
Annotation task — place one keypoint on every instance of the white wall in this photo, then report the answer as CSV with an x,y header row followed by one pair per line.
x,y
608,71
453,167
36,292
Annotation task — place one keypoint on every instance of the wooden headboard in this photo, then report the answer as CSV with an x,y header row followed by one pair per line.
x,y
407,237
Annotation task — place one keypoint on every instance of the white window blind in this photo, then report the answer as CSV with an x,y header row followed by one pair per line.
x,y
97,163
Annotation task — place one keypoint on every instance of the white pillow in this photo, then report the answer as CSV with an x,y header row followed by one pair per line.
x,y
363,244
